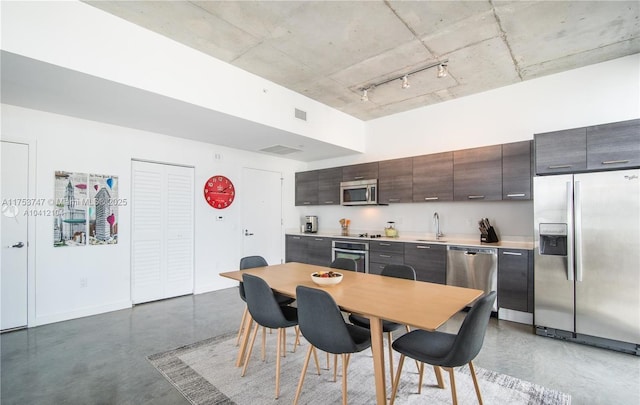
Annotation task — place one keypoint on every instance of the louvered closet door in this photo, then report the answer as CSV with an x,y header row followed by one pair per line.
x,y
162,231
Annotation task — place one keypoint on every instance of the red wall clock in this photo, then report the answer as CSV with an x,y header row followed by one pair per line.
x,y
219,192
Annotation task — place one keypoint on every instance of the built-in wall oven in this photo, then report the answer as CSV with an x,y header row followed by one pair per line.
x,y
358,251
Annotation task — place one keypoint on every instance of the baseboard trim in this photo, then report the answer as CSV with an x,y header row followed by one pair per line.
x,y
80,313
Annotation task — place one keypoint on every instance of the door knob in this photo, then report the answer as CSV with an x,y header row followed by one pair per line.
x,y
246,233
18,245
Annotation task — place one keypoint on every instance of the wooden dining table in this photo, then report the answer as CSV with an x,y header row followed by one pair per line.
x,y
418,304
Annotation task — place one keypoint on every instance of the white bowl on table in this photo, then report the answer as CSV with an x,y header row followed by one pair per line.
x,y
324,281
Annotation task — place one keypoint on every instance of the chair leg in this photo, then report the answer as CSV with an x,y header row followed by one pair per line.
x,y
264,343
297,341
396,382
315,357
454,396
438,373
421,377
304,370
284,345
248,355
241,328
328,362
345,364
281,333
408,328
335,367
475,382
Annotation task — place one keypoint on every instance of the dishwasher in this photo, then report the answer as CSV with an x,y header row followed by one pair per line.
x,y
473,267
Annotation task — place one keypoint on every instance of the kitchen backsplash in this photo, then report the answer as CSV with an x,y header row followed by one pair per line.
x,y
511,219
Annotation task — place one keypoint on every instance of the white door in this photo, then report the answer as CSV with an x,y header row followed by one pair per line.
x,y
262,214
162,199
13,279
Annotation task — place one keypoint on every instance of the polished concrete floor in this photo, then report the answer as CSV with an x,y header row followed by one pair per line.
x,y
102,359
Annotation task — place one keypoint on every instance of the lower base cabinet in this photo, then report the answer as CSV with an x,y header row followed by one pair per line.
x,y
308,249
515,279
428,260
383,253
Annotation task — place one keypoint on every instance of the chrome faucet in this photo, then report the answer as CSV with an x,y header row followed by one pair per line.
x,y
436,222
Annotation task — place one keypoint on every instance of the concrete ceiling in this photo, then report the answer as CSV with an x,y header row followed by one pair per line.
x,y
330,50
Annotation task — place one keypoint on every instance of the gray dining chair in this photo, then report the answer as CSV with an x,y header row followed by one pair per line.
x,y
267,312
250,262
344,263
390,270
322,324
447,350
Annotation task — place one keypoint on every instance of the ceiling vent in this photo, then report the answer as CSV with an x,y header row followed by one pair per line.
x,y
301,115
280,150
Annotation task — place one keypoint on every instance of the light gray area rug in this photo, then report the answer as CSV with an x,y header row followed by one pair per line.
x,y
205,373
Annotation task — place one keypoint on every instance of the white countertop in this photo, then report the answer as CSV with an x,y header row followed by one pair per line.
x,y
454,240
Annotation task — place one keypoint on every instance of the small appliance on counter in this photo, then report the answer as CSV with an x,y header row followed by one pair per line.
x,y
390,230
311,224
487,233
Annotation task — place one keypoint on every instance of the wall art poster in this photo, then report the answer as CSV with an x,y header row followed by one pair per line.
x,y
86,209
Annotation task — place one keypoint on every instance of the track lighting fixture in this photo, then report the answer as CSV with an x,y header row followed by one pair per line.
x,y
405,82
364,97
442,72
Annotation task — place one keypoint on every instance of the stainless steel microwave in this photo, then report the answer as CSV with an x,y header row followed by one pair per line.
x,y
360,192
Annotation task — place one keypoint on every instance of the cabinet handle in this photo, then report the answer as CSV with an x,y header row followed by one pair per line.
x,y
307,203
512,253
387,256
358,177
614,162
394,199
475,197
295,237
515,195
319,239
384,244
430,198
328,202
559,166
423,247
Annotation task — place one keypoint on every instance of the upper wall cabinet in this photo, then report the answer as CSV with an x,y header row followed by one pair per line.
x,y
307,188
363,171
615,145
600,147
477,173
561,151
395,181
433,177
516,170
329,186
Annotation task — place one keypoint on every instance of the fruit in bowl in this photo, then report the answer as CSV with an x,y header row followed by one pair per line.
x,y
326,277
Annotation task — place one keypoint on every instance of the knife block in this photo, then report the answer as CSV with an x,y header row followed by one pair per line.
x,y
490,237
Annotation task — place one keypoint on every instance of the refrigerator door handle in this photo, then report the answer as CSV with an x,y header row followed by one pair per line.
x,y
570,230
578,236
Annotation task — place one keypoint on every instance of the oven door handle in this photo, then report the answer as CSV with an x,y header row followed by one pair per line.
x,y
349,251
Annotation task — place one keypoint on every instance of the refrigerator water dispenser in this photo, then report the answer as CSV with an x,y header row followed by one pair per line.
x,y
553,239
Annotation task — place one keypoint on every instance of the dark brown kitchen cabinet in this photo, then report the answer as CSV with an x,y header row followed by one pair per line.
x,y
477,173
307,188
395,181
428,260
382,253
362,171
561,151
433,177
329,186
308,249
318,250
613,146
515,279
295,249
516,170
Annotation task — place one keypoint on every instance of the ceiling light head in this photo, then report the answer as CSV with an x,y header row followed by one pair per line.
x,y
365,96
405,82
442,71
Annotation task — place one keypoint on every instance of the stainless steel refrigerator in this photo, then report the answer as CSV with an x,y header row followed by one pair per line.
x,y
587,258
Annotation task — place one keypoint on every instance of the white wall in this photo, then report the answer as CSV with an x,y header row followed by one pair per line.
x,y
596,94
70,144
